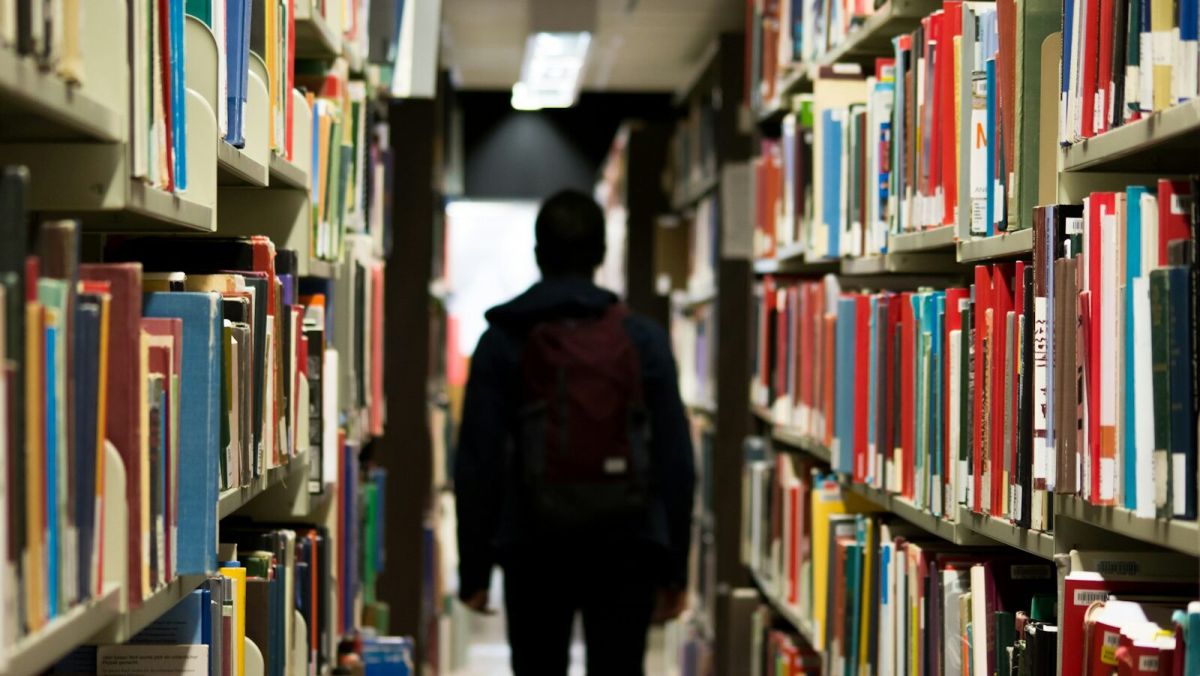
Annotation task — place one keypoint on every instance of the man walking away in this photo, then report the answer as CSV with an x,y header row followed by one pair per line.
x,y
574,469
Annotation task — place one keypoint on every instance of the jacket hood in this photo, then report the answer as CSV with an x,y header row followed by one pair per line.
x,y
555,298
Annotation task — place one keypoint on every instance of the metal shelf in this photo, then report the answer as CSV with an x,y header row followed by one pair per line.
x,y
1165,142
315,39
37,105
933,239
1038,543
39,651
694,191
904,263
285,174
234,499
790,260
793,439
235,167
1006,245
1181,536
127,625
874,36
955,533
782,608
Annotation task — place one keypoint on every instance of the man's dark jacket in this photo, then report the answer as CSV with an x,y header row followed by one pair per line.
x,y
491,526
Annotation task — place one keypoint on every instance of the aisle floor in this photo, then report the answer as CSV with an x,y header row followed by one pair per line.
x,y
488,654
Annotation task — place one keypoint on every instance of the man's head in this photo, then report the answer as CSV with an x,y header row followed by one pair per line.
x,y
570,235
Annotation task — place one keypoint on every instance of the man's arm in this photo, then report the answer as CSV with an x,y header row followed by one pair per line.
x,y
673,455
479,464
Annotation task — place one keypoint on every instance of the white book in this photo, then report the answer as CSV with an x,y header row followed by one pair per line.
x,y
980,622
155,660
955,583
1143,383
1109,347
954,473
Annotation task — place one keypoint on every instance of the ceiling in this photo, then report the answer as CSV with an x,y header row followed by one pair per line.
x,y
639,45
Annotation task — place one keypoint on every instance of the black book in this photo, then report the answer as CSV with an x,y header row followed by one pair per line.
x,y
14,186
87,391
1024,467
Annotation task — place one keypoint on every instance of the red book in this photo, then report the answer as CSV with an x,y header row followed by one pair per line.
x,y
783,321
795,341
170,365
1100,203
164,41
907,460
862,375
764,336
1104,74
983,306
951,28
1002,302
122,418
791,541
937,48
1014,391
888,443
1091,41
805,364
1173,214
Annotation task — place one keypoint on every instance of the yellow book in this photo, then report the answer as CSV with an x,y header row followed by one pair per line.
x,y
870,549
34,559
1162,35
144,459
827,500
238,575
272,59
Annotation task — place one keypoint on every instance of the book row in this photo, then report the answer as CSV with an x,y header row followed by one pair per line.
x,y
929,138
1071,374
292,592
1122,61
203,362
873,595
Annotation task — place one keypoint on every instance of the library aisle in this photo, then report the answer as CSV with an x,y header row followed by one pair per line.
x,y
761,337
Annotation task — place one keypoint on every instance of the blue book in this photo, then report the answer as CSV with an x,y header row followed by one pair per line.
x,y
1068,21
936,391
1182,438
51,478
920,398
199,422
832,177
87,390
854,554
183,624
992,142
178,93
898,137
387,656
843,458
1133,269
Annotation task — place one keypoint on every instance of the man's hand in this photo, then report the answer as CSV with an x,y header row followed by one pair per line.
x,y
478,602
668,605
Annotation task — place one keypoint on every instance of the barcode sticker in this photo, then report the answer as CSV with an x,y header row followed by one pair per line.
x,y
1108,653
1086,597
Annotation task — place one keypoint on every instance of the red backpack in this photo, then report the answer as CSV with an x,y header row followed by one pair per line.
x,y
584,436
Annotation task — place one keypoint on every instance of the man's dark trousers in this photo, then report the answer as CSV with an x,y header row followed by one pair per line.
x,y
613,590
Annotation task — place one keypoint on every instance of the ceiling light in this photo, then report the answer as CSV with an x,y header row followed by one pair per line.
x,y
551,71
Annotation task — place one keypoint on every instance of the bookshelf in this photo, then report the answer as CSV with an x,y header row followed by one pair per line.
x,y
1165,142
1178,535
933,239
78,144
874,37
1008,245
782,607
36,104
693,191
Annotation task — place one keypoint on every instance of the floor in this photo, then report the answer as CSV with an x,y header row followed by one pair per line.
x,y
487,653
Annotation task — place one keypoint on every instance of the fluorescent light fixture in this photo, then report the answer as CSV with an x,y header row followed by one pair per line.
x,y
551,71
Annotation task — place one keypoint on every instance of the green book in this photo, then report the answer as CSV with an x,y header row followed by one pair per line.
x,y
201,9
1006,635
